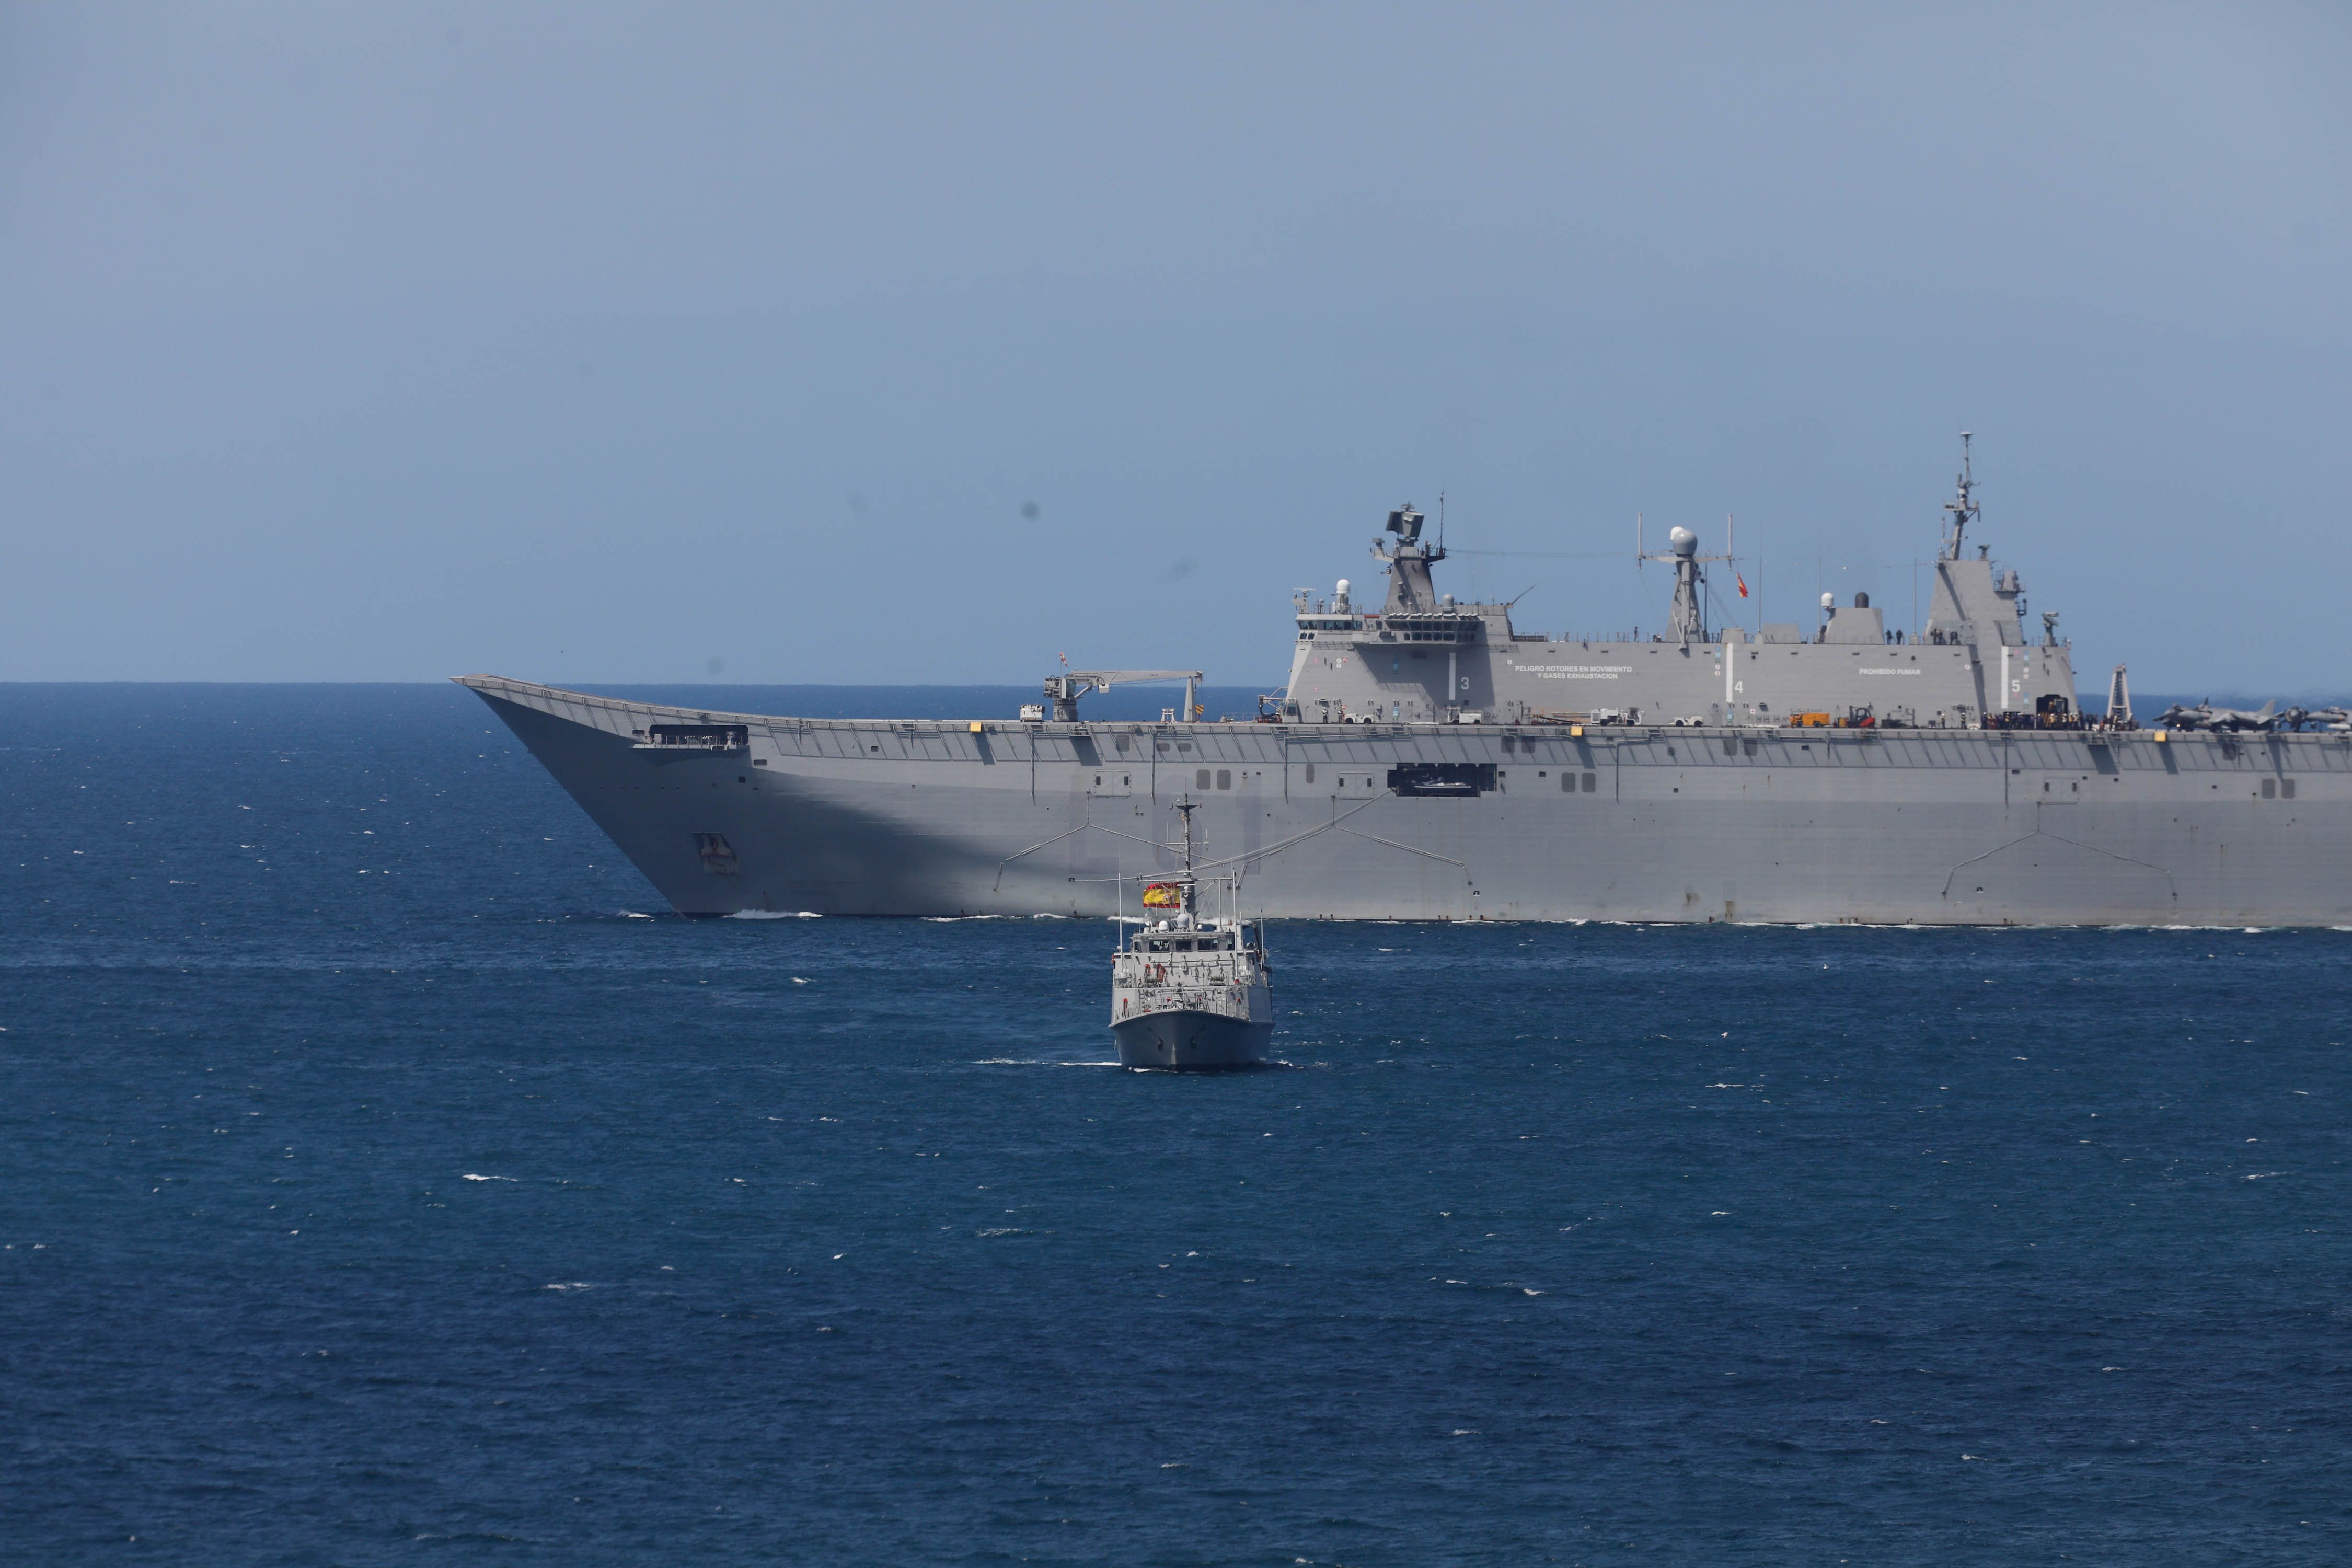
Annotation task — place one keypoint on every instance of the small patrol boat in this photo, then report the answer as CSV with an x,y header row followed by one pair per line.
x,y
1188,987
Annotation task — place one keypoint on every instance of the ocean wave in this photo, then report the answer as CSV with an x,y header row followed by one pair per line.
x,y
774,915
1036,1062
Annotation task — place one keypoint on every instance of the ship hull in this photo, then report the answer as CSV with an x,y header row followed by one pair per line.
x,y
1182,1040
1460,822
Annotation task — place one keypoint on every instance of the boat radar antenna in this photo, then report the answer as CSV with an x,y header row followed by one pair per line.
x,y
1184,805
1688,615
1962,509
1410,588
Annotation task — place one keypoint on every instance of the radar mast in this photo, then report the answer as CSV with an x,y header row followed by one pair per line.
x,y
1962,509
1409,589
1689,616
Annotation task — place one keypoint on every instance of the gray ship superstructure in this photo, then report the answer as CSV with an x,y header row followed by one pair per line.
x,y
1422,658
1429,761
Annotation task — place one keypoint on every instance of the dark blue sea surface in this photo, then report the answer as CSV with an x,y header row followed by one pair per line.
x,y
384,1178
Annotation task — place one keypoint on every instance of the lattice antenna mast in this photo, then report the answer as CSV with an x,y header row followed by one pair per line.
x,y
1962,509
1688,615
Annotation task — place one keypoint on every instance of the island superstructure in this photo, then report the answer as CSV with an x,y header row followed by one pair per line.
x,y
1420,658
1428,760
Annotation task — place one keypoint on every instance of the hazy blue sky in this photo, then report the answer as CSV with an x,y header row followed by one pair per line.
x,y
597,344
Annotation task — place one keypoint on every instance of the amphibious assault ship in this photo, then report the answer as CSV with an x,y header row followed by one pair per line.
x,y
1429,761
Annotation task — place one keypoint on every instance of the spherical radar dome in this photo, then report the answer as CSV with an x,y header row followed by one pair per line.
x,y
1682,541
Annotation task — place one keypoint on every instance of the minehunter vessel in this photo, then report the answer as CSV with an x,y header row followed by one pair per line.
x,y
1429,761
1188,991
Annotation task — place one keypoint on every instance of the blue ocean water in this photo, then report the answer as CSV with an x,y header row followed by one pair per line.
x,y
383,1179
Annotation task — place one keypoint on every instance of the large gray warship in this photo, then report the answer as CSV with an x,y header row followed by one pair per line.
x,y
1429,761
